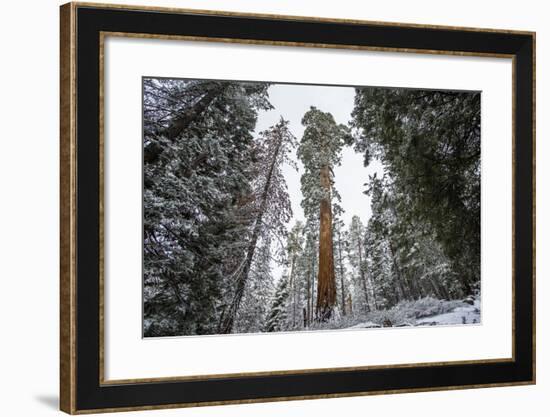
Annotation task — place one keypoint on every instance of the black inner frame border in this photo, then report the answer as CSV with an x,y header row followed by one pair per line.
x,y
91,395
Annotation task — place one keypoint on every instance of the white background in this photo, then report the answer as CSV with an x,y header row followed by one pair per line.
x,y
29,218
162,357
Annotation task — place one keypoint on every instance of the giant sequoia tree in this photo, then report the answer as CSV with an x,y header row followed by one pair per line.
x,y
319,151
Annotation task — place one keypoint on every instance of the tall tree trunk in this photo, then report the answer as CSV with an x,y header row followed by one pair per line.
x,y
226,326
312,295
293,289
308,298
370,285
183,120
152,151
397,271
341,264
350,304
326,285
311,288
435,288
440,290
362,273
415,289
311,302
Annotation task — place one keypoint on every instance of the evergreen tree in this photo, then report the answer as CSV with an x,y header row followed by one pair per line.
x,y
383,243
254,308
277,318
192,245
429,144
308,266
340,238
270,205
319,150
407,260
358,261
295,247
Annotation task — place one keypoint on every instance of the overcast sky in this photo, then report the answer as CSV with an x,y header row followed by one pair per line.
x,y
292,102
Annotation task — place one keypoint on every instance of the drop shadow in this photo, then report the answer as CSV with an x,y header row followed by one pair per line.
x,y
51,401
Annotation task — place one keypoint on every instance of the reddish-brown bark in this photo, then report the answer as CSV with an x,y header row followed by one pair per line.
x,y
326,285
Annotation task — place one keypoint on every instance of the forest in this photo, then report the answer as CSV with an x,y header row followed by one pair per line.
x,y
224,251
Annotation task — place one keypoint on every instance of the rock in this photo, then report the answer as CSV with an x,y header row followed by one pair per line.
x,y
469,300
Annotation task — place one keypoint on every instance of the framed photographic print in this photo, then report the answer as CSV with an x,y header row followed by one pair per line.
x,y
265,208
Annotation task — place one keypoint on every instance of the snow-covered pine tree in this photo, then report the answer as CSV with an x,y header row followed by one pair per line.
x,y
386,242
308,267
277,317
356,251
269,203
407,260
198,172
340,238
254,308
295,247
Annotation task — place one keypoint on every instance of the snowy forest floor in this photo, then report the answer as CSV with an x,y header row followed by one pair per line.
x,y
424,312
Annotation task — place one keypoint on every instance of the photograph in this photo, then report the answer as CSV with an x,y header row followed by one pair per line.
x,y
282,207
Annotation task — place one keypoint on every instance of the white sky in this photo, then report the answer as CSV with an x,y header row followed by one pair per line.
x,y
292,102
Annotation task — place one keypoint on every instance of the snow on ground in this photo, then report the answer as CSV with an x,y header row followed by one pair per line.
x,y
466,312
365,325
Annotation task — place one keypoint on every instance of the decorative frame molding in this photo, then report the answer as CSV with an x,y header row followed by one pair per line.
x,y
83,387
